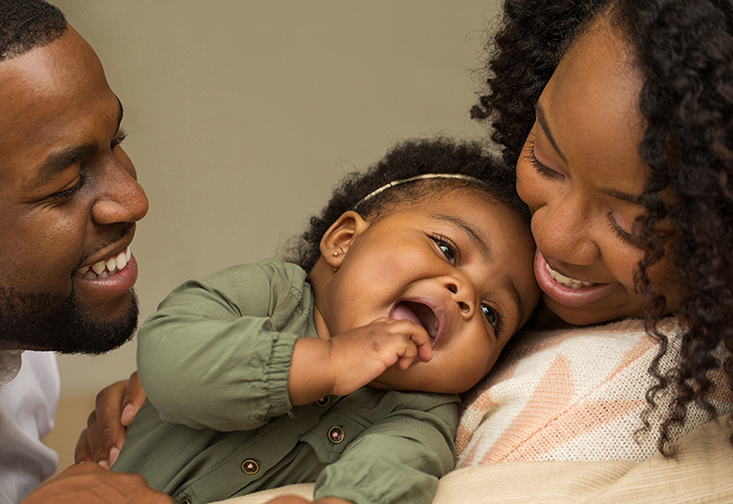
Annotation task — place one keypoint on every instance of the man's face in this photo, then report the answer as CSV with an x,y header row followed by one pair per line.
x,y
69,200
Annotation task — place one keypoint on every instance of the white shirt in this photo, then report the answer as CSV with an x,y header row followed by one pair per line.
x,y
29,394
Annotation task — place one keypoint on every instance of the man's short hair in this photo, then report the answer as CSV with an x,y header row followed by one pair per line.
x,y
25,24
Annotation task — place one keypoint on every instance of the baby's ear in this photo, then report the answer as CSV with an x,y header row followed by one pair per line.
x,y
340,235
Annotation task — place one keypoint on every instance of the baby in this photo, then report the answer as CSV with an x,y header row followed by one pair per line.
x,y
343,368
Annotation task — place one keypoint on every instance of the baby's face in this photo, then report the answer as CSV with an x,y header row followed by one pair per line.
x,y
460,265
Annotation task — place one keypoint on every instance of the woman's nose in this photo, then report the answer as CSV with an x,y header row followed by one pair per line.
x,y
563,232
121,198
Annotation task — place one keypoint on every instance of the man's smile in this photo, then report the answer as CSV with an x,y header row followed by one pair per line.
x,y
105,267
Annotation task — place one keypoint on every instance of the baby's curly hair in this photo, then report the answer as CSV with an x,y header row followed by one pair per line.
x,y
409,159
684,48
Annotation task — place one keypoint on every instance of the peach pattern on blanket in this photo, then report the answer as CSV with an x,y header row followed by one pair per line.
x,y
573,394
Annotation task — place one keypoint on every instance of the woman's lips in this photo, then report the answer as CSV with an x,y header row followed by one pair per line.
x,y
571,292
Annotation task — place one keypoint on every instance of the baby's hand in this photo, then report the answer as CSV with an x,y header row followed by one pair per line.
x,y
359,356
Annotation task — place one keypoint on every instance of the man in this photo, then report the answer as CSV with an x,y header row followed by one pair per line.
x,y
69,201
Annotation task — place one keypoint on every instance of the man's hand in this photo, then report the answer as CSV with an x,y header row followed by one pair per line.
x,y
116,406
351,360
88,483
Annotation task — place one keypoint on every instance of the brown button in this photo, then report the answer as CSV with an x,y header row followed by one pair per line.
x,y
250,466
323,401
336,435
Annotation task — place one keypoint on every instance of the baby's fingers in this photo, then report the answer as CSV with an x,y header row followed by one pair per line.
x,y
408,353
424,346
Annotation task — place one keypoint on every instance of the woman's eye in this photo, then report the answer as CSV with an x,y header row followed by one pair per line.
x,y
492,317
622,234
537,165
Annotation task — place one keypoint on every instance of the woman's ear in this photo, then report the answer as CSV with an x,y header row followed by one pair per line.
x,y
340,235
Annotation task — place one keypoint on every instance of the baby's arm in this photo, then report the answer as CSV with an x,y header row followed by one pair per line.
x,y
210,356
349,361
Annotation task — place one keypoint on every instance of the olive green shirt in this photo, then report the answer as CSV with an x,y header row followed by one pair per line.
x,y
214,362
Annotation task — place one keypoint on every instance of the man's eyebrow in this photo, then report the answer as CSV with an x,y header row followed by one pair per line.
x,y
58,161
475,238
542,121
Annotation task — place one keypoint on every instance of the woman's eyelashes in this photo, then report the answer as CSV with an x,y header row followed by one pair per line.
x,y
537,165
621,233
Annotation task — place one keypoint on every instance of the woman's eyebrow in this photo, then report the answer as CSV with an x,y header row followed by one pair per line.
x,y
542,121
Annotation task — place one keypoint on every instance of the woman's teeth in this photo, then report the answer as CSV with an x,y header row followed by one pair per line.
x,y
105,268
567,282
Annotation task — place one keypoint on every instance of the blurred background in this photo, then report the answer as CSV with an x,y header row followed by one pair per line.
x,y
243,114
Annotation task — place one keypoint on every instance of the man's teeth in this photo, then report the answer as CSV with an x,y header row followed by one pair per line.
x,y
105,268
567,282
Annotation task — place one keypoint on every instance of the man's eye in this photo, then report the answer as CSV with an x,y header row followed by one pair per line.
x,y
68,192
492,317
121,135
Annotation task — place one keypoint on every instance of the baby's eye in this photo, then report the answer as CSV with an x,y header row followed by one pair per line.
x,y
492,316
447,248
448,252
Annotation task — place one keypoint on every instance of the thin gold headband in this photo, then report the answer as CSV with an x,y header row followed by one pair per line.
x,y
424,176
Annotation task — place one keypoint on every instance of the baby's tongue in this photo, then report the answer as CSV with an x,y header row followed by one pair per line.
x,y
402,312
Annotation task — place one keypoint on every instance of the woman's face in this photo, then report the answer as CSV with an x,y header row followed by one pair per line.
x,y
580,173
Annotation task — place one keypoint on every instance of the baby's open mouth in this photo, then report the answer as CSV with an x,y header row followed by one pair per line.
x,y
419,313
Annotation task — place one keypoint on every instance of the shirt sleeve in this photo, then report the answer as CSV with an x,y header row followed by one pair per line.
x,y
210,356
397,460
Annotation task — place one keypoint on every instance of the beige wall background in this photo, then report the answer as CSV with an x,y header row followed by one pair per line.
x,y
243,114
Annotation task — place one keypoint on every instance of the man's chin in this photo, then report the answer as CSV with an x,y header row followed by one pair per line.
x,y
55,323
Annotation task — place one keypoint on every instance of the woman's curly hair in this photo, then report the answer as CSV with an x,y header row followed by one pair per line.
x,y
405,160
684,49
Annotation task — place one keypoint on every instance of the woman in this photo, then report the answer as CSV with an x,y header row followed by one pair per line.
x,y
618,116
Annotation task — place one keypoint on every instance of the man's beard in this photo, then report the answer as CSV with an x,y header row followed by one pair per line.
x,y
54,323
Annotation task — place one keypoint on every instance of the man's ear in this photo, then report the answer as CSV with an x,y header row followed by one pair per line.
x,y
340,235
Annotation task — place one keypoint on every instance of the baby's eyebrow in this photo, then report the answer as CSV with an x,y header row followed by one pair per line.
x,y
475,238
